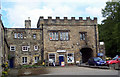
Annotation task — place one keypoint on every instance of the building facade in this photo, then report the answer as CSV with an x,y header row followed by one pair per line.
x,y
56,40
4,48
25,45
69,40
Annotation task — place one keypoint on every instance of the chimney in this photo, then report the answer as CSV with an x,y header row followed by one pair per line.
x,y
28,23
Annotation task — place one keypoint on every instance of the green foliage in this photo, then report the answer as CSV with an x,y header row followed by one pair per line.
x,y
109,30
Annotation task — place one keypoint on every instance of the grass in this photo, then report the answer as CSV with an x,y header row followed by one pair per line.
x,y
30,66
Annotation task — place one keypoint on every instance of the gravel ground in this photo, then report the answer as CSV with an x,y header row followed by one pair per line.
x,y
67,70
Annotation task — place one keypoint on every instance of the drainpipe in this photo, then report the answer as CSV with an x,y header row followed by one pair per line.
x,y
95,38
42,50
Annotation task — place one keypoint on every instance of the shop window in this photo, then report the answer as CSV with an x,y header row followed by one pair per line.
x,y
53,35
51,57
24,60
70,58
36,59
12,48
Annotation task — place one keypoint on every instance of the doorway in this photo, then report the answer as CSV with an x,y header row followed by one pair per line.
x,y
11,62
61,59
86,54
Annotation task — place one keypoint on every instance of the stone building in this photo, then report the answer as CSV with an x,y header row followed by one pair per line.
x,y
25,44
59,40
69,40
4,48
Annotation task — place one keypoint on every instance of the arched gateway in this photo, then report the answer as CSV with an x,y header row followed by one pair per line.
x,y
86,54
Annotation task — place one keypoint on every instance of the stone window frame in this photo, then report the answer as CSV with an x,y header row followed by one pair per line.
x,y
18,35
83,36
64,37
26,49
24,60
15,35
49,56
59,31
35,47
36,59
14,48
53,36
34,36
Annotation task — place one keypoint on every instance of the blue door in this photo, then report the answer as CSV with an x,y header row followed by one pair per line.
x,y
11,61
61,59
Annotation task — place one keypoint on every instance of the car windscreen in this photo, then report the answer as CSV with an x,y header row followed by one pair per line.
x,y
98,59
114,58
119,59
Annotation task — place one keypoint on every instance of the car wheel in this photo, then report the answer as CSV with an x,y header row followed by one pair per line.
x,y
116,66
95,65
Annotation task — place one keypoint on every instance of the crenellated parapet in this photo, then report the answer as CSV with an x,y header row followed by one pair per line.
x,y
68,22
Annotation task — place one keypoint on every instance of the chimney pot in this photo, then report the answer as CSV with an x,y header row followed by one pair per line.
x,y
57,17
65,18
49,17
80,18
73,18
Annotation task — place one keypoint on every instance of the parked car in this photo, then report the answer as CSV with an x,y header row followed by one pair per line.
x,y
96,61
114,63
108,58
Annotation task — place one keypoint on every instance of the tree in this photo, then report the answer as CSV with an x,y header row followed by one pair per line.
x,y
109,30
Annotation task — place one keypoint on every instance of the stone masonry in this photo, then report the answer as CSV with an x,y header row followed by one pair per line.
x,y
68,41
73,45
4,48
26,42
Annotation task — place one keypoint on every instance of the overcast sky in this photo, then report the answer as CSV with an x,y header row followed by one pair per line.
x,y
15,12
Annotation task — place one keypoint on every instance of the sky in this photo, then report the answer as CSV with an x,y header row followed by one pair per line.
x,y
15,12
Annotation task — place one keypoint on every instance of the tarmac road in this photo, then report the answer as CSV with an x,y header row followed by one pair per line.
x,y
74,70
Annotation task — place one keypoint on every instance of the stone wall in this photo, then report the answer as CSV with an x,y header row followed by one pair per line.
x,y
3,47
74,44
1,55
27,40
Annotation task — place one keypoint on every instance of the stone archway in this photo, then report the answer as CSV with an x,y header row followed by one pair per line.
x,y
86,54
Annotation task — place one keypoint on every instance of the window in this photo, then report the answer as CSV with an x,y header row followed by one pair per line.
x,y
24,48
18,35
52,57
70,58
12,48
21,35
34,36
82,36
36,59
53,35
35,47
24,60
64,36
15,35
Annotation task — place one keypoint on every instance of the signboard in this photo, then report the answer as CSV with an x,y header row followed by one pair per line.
x,y
61,50
100,54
